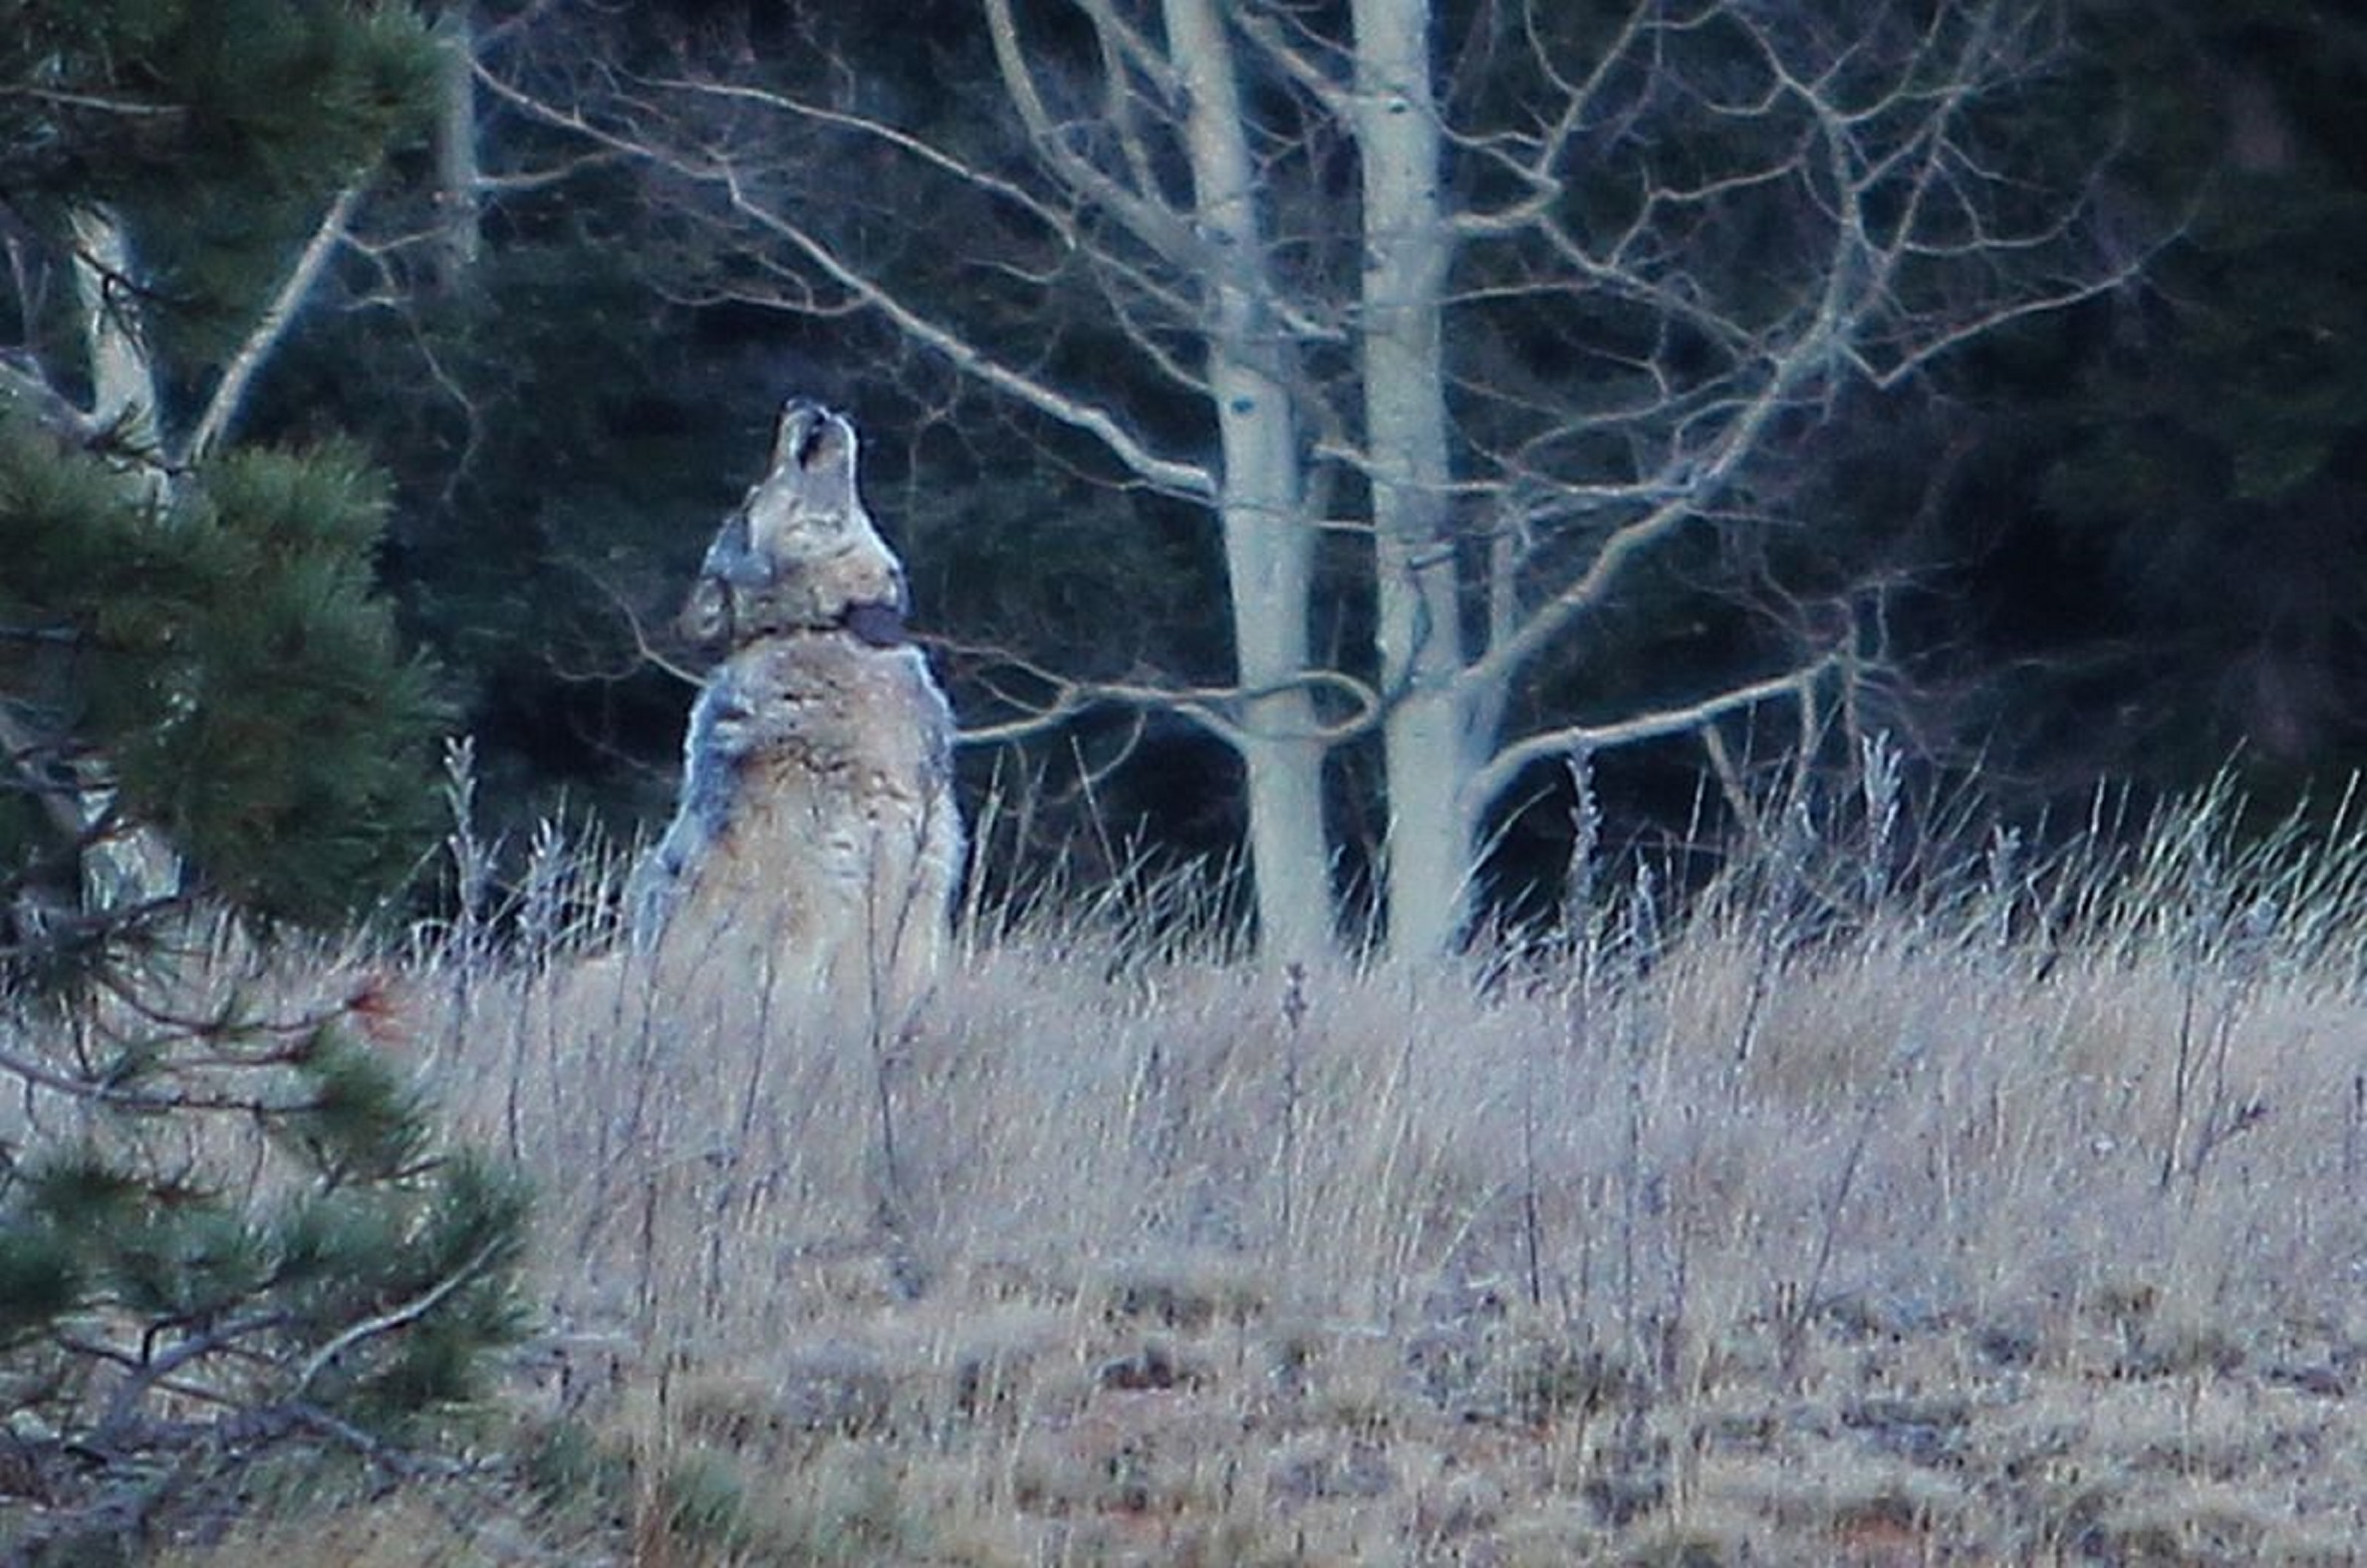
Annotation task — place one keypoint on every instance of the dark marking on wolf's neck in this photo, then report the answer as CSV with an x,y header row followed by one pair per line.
x,y
876,624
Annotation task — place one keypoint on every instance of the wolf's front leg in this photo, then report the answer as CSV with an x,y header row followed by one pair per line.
x,y
720,738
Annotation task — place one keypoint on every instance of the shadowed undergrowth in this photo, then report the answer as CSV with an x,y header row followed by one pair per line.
x,y
2013,1218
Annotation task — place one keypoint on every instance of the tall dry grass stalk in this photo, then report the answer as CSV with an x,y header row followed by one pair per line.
x,y
2008,1211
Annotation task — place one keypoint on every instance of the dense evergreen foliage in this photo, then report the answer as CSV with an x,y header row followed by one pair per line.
x,y
240,1243
193,639
2166,502
230,1237
233,662
215,127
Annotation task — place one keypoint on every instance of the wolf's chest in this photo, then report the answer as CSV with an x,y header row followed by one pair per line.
x,y
830,717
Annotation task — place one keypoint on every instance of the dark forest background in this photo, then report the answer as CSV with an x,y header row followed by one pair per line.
x,y
2118,544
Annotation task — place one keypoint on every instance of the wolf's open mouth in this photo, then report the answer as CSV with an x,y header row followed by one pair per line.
x,y
805,433
809,445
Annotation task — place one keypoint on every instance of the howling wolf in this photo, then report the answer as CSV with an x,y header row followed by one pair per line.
x,y
817,828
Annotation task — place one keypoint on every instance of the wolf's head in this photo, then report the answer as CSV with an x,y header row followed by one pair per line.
x,y
800,554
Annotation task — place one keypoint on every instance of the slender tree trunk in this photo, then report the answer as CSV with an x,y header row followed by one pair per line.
x,y
1427,735
122,376
456,170
1268,547
122,863
1290,858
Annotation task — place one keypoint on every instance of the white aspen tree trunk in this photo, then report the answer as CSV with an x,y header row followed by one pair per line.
x,y
123,862
1268,546
122,376
1428,746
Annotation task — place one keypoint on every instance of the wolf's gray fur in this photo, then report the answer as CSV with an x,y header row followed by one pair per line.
x,y
816,824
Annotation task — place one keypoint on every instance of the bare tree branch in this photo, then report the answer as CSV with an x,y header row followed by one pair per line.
x,y
229,394
26,388
1182,478
1138,207
1491,780
391,1320
1216,709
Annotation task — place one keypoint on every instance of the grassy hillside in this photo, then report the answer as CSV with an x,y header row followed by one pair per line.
x,y
2018,1219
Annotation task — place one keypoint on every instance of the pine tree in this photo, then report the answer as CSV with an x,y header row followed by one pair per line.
x,y
229,1234
190,640
230,658
238,1242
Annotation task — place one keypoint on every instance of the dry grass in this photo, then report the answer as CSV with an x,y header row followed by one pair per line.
x,y
2021,1225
